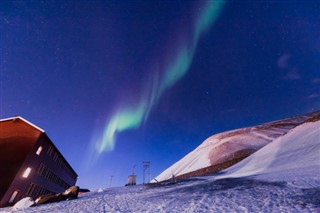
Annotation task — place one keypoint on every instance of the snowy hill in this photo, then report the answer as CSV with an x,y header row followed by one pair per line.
x,y
297,154
225,149
283,176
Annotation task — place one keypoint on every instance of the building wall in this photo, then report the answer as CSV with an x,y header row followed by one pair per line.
x,y
11,160
17,138
50,173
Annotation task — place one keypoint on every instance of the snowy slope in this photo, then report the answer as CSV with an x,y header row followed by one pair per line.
x,y
283,176
230,147
295,154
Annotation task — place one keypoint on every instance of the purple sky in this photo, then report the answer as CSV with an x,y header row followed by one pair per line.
x,y
73,67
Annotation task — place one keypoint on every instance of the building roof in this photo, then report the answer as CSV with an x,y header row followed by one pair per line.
x,y
17,118
24,134
21,118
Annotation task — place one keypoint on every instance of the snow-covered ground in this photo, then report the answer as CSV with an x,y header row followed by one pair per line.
x,y
283,176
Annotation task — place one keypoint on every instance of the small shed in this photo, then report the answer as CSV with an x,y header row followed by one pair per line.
x,y
132,180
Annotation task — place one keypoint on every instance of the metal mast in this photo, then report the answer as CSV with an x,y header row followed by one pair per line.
x,y
146,171
111,177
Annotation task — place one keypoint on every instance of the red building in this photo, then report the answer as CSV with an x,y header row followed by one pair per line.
x,y
30,164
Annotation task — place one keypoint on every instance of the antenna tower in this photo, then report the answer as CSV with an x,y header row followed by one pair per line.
x,y
146,171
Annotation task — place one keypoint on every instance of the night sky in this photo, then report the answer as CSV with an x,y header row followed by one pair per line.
x,y
115,83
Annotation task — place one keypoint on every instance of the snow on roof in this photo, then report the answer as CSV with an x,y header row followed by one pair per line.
x,y
24,120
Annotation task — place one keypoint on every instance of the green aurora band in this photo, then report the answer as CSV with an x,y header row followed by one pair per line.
x,y
132,116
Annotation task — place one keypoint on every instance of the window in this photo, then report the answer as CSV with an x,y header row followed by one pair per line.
x,y
41,169
35,191
26,172
50,150
39,150
55,156
13,196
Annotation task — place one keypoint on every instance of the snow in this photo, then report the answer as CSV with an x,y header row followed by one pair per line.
x,y
223,147
23,203
298,152
283,176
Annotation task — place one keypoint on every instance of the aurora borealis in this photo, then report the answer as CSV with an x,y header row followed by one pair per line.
x,y
132,116
116,83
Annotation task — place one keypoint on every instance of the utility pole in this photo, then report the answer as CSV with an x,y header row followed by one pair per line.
x,y
146,171
111,177
133,169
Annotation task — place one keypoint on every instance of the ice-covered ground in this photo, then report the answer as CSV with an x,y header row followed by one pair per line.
x,y
283,176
